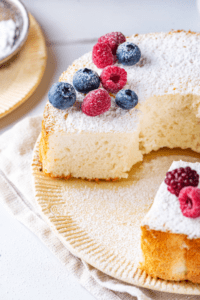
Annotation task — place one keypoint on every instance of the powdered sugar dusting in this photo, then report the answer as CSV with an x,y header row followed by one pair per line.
x,y
169,65
7,37
103,213
166,215
111,213
74,121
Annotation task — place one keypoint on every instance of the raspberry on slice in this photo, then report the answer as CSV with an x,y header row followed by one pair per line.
x,y
113,39
189,199
179,178
96,103
102,55
113,78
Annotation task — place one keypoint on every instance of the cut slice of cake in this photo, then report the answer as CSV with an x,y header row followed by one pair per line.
x,y
77,145
167,82
170,241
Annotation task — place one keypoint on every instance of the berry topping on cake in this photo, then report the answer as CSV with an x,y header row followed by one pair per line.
x,y
126,99
128,54
102,55
62,95
86,80
113,78
96,103
113,39
189,199
180,178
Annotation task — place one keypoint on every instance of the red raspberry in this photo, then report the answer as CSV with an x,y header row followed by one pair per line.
x,y
96,103
113,78
102,55
189,199
113,39
179,178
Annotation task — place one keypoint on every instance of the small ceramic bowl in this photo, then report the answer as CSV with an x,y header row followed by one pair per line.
x,y
15,10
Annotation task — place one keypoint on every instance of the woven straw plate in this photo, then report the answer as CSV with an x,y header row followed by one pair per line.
x,y
100,222
21,75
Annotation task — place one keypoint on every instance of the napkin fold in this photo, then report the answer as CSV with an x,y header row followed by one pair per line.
x,y
17,194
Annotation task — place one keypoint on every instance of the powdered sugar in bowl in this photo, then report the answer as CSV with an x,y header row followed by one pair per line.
x,y
14,27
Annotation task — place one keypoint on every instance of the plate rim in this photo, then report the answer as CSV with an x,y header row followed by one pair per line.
x,y
140,279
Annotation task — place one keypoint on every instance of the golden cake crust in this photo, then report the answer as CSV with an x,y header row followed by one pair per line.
x,y
43,146
170,256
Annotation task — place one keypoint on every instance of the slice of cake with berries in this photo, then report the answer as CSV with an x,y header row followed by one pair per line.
x,y
127,97
170,239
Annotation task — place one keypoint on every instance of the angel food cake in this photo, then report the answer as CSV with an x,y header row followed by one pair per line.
x,y
170,238
127,97
103,136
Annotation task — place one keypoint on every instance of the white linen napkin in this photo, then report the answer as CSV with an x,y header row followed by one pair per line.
x,y
16,193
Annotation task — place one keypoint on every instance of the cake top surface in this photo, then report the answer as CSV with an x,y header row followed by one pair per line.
x,y
165,213
72,120
169,65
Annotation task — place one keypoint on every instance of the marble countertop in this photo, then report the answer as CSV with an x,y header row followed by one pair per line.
x,y
28,270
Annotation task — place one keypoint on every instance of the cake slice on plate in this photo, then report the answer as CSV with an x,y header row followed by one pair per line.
x,y
170,239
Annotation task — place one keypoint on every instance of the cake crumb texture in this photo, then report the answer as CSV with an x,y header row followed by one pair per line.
x,y
170,256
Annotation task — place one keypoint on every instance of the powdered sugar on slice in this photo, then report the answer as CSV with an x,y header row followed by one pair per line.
x,y
165,213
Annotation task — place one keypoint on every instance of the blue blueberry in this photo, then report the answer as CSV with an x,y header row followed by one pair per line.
x,y
126,99
86,80
128,54
62,95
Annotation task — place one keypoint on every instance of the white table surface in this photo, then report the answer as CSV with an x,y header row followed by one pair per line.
x,y
28,270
